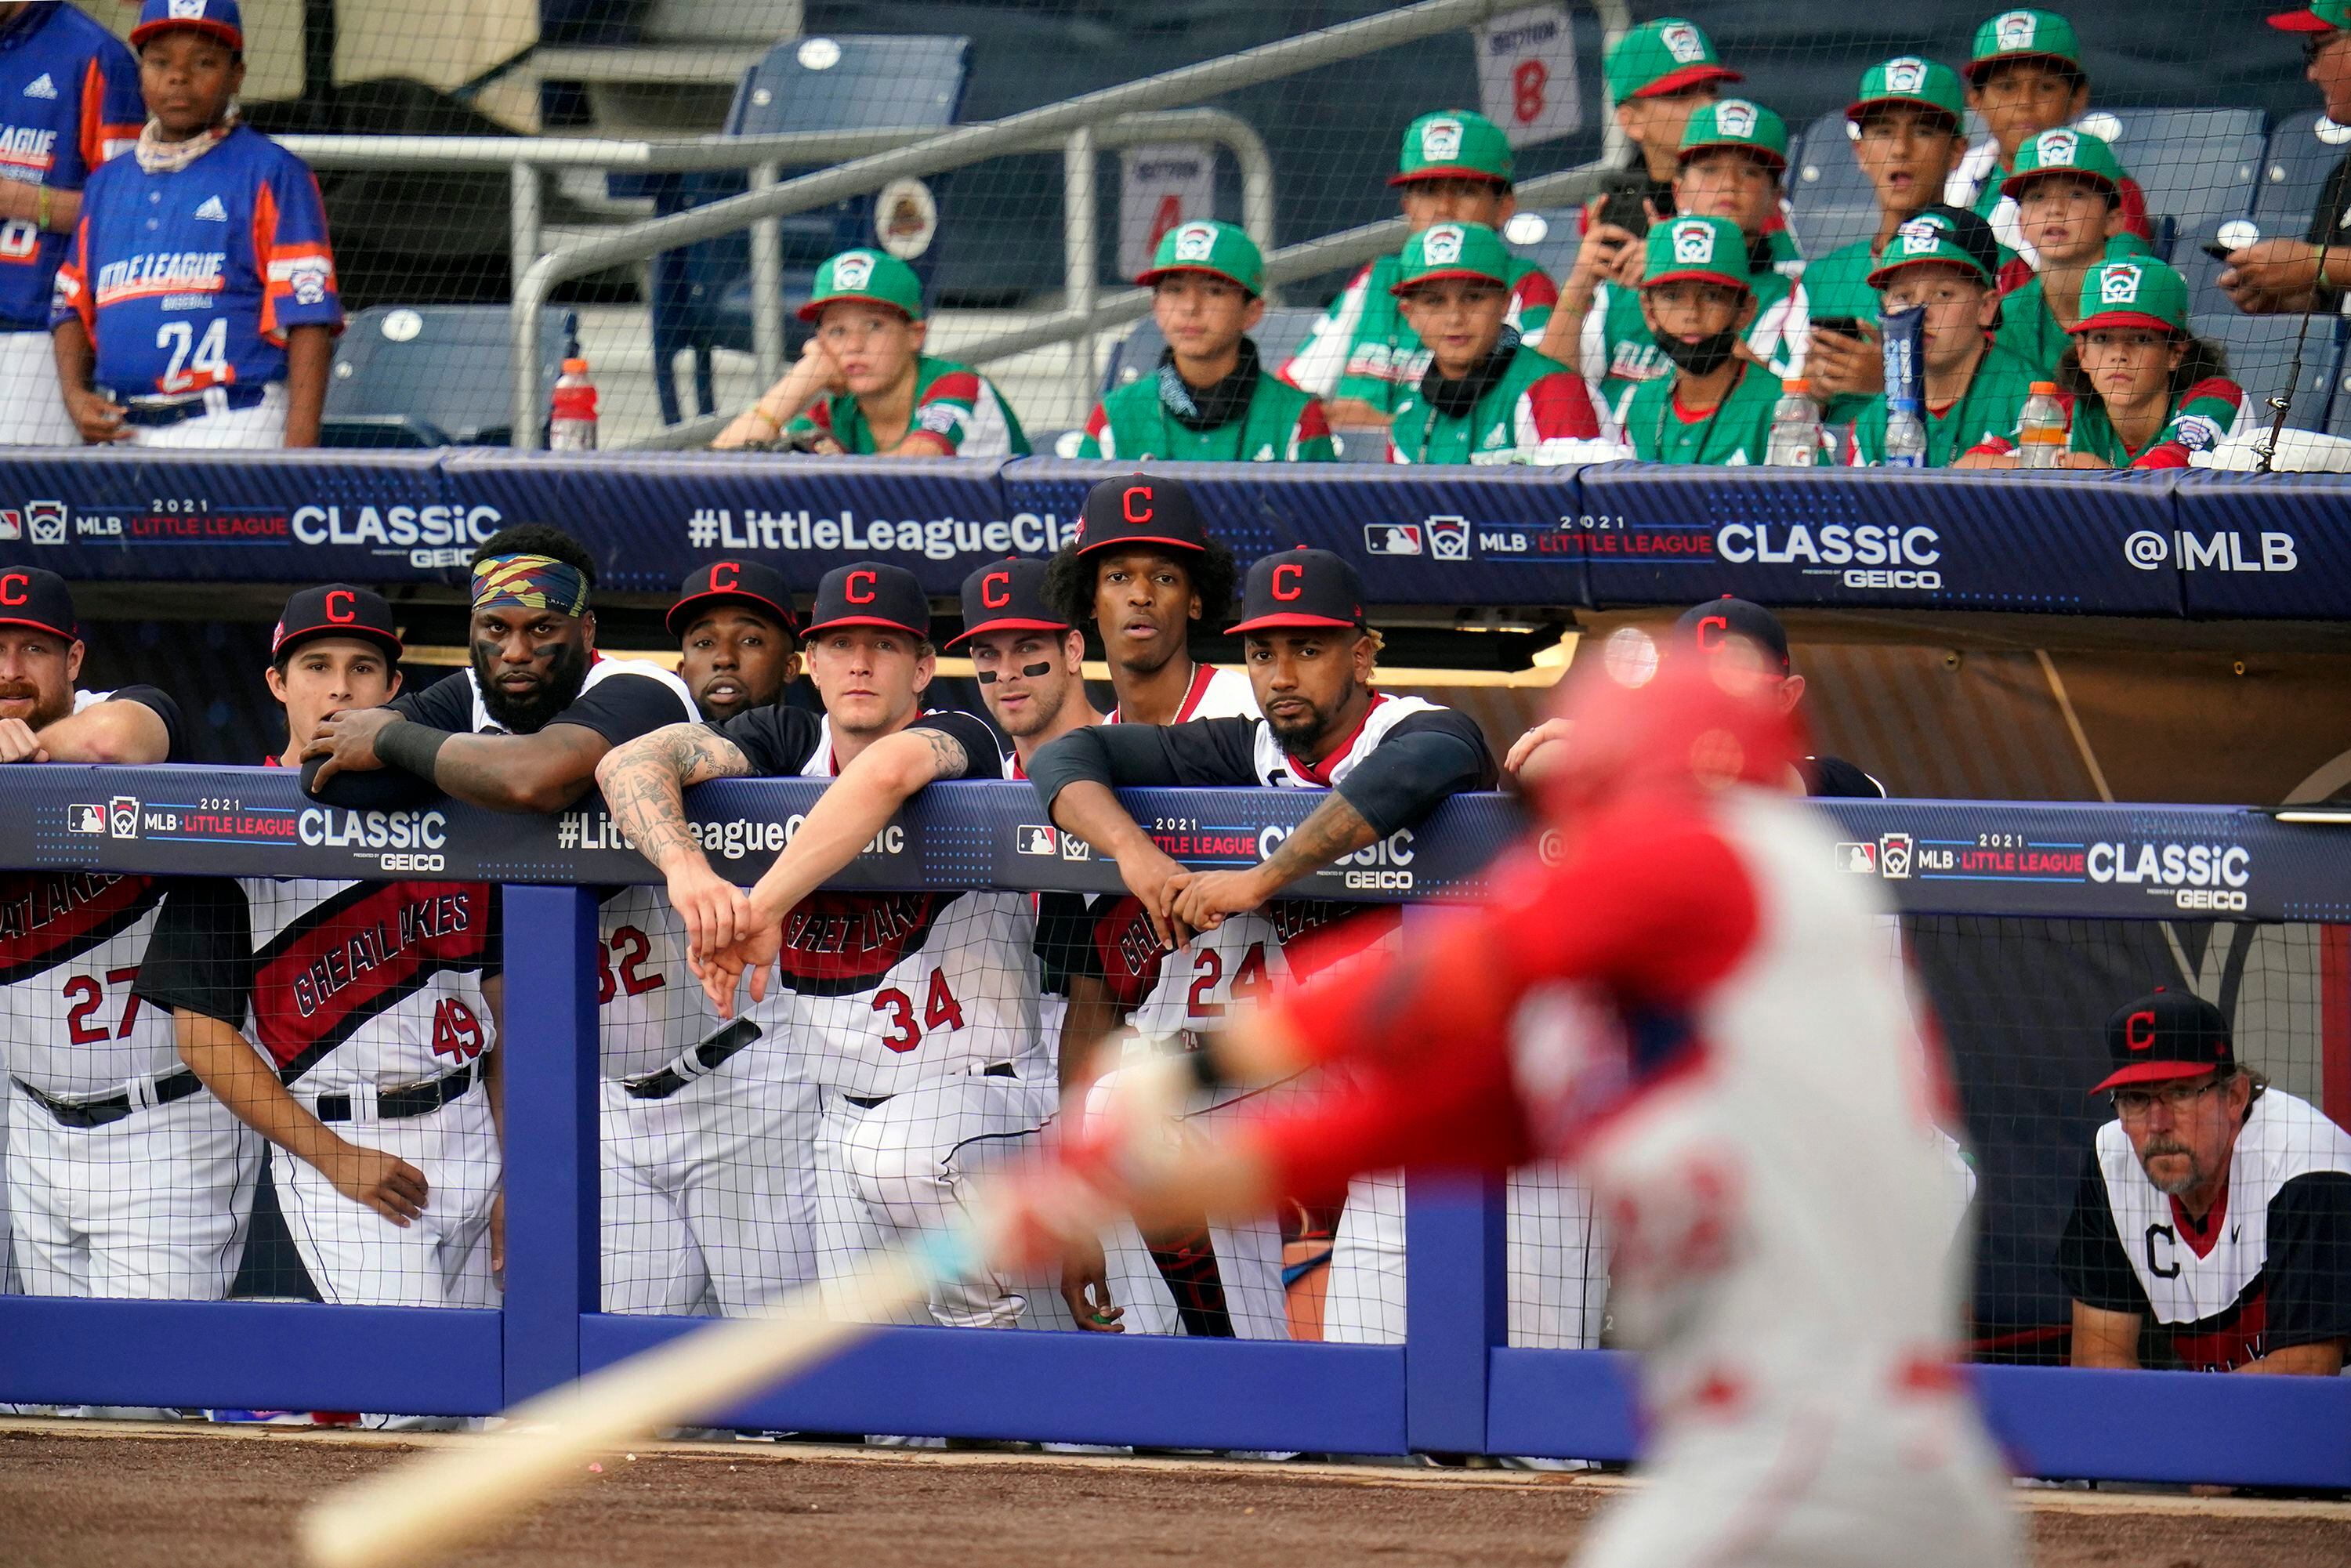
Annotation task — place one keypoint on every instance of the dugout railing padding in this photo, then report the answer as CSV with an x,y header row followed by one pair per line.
x,y
1454,1385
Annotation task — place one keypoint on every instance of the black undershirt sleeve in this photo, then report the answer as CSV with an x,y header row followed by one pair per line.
x,y
1417,764
2308,1270
1210,752
981,757
622,707
200,957
157,701
2091,1262
775,740
448,703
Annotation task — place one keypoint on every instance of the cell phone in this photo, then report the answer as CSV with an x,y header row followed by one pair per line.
x,y
1849,326
1621,204
2218,252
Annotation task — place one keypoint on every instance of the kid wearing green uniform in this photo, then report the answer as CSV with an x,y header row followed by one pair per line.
x,y
2068,188
1698,302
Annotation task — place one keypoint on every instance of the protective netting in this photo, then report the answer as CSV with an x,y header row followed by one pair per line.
x,y
1832,132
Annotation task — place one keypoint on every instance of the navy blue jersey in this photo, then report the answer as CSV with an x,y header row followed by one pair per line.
x,y
191,279
69,101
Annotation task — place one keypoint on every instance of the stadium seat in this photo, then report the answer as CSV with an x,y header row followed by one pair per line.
x,y
2303,151
2261,353
702,295
2198,167
1830,202
1137,354
433,375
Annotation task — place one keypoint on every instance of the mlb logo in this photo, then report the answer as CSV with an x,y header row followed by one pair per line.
x,y
1861,860
1195,241
2015,30
12,526
1074,848
2118,283
855,271
1440,140
1033,840
2058,149
86,818
1908,74
1391,538
1682,42
1893,855
1693,241
1442,245
1920,236
1735,117
46,521
122,817
1448,537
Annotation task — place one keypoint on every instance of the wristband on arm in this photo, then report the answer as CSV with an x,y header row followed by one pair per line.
x,y
412,747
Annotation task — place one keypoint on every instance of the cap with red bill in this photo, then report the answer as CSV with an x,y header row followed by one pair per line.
x,y
745,581
1007,596
1301,589
2163,1036
35,596
870,594
1141,509
336,609
1704,627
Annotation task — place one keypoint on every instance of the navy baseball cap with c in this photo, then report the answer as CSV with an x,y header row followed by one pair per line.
x,y
1141,509
35,596
2163,1036
335,610
1298,590
220,18
746,581
1007,596
870,594
1704,626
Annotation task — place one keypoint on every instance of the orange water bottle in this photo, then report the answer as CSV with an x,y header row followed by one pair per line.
x,y
2041,428
573,427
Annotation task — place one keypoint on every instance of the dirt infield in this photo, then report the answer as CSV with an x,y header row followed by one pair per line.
x,y
101,1498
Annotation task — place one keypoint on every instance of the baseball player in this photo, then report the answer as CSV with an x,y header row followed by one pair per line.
x,y
1697,302
125,1178
1360,356
1733,154
2214,1203
708,1125
1752,1110
1485,397
865,387
915,1012
347,1022
69,101
1210,401
196,305
2067,191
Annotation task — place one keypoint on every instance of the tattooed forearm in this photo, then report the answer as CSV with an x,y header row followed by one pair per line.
x,y
1333,828
645,783
948,758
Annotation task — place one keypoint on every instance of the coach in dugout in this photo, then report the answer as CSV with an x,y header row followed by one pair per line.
x,y
69,98
2215,1204
196,306
2270,276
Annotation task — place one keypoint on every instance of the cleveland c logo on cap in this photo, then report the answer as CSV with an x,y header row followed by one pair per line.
x,y
343,606
996,589
849,588
1711,631
1126,504
12,589
1296,587
726,574
2139,1031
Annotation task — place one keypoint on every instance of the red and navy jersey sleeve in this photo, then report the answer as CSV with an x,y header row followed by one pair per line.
x,y
111,112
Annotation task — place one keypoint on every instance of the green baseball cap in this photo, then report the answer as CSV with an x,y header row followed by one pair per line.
x,y
1735,122
2023,36
1453,250
870,275
2318,16
1218,249
1711,250
1455,144
1667,56
1928,237
2065,150
1907,78
2137,292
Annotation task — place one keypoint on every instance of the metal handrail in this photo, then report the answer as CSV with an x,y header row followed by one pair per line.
x,y
971,143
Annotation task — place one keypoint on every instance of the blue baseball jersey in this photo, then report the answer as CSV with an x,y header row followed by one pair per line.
x,y
69,101
191,279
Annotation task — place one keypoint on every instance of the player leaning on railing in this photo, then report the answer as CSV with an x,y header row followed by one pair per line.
x,y
864,386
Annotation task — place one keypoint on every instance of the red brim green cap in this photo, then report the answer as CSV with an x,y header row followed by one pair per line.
x,y
1909,79
2134,291
1924,242
1685,79
1219,250
2023,36
1703,250
1443,251
1455,145
869,276
1737,122
1667,56
2065,150
2320,16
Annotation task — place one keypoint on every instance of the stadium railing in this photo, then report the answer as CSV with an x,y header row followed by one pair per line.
x,y
1453,1386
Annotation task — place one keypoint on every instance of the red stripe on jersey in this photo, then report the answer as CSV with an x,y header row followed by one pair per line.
x,y
2335,1022
2228,1340
838,944
1098,421
1318,772
265,248
1562,409
1535,288
963,386
1128,953
1313,425
1318,934
92,135
355,955
48,918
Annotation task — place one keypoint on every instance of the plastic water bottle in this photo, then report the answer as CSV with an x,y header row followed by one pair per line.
x,y
1795,427
1905,434
573,428
2041,428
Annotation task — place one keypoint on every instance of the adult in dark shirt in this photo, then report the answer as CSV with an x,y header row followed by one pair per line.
x,y
2214,1203
1721,628
523,726
2273,275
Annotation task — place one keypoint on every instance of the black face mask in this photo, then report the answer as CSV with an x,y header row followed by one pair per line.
x,y
1213,406
1459,400
1702,358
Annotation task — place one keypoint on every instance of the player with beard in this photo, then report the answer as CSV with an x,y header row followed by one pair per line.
x,y
915,1013
709,1194
124,1176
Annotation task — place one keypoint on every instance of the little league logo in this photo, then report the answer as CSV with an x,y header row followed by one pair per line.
x,y
2118,283
187,10
1735,117
1893,855
1693,241
2015,30
1905,75
1440,140
2058,148
855,271
1195,241
46,521
1442,245
1920,236
1682,42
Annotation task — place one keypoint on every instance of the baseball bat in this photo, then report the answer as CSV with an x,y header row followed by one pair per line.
x,y
424,1508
